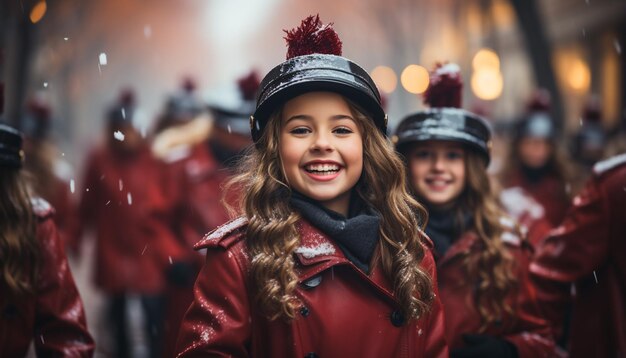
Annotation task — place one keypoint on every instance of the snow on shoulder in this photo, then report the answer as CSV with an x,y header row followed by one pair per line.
x,y
609,164
221,232
310,252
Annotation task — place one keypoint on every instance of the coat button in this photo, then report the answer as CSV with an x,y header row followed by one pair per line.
x,y
304,311
311,355
313,282
397,318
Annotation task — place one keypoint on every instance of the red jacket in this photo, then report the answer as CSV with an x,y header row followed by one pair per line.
x,y
589,248
120,191
549,192
194,189
345,312
53,318
527,330
527,212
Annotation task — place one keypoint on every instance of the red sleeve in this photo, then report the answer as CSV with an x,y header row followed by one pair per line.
x,y
217,323
436,345
580,244
532,334
60,325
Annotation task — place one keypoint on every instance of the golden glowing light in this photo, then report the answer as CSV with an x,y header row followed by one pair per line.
x,y
487,83
385,78
38,11
415,79
579,76
486,58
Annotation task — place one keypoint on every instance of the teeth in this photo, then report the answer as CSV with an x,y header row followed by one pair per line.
x,y
322,167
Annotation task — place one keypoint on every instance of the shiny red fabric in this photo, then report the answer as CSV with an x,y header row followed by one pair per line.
x,y
120,190
526,329
589,248
345,313
53,317
193,187
549,192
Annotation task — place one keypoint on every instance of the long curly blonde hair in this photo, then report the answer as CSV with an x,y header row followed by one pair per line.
x,y
493,269
272,236
19,250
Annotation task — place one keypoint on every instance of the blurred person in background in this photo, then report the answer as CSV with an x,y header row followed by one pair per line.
x,y
38,297
536,163
121,185
195,189
589,142
482,257
51,174
589,250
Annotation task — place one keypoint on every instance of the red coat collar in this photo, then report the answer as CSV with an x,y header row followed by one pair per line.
x,y
317,253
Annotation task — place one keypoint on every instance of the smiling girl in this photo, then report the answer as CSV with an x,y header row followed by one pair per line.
x,y
482,259
327,259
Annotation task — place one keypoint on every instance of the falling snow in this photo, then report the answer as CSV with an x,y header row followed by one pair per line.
x,y
102,59
66,38
171,262
147,31
129,198
119,136
144,250
618,47
45,84
121,184
72,186
595,276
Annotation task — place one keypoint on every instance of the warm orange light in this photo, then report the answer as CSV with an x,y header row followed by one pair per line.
x,y
38,11
579,76
415,79
487,83
385,78
486,58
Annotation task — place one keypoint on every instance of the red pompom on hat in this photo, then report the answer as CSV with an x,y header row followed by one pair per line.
x,y
312,37
446,86
314,63
540,101
249,85
592,111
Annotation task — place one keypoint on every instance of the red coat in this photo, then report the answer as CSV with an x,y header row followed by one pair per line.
x,y
527,212
527,330
589,248
194,193
549,192
194,188
120,192
53,318
345,312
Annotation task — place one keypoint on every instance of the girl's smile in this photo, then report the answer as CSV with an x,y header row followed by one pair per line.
x,y
321,148
437,170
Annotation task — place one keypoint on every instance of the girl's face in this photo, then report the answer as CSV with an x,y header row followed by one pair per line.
x,y
534,152
321,148
437,170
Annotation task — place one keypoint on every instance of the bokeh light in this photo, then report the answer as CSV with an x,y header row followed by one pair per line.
x,y
486,58
38,11
487,83
415,79
385,78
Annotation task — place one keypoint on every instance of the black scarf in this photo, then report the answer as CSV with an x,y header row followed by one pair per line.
x,y
357,235
444,228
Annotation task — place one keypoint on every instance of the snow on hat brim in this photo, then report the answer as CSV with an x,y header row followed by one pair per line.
x,y
445,124
312,73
